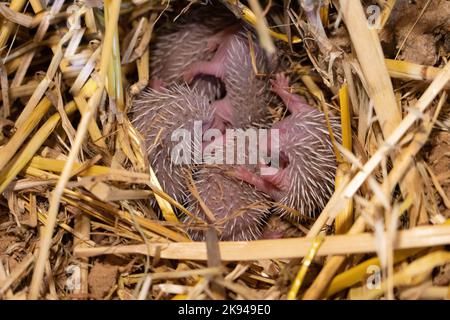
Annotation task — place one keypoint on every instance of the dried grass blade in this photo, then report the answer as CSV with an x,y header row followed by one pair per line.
x,y
282,248
32,147
111,29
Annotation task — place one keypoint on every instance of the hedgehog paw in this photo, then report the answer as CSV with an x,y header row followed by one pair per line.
x,y
281,84
293,101
242,173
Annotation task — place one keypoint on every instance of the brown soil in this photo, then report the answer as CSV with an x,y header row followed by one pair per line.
x,y
5,242
423,38
439,161
102,278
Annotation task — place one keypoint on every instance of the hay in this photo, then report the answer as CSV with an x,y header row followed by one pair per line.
x,y
75,179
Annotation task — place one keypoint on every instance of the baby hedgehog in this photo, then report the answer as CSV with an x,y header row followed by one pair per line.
x,y
305,179
182,43
239,209
157,115
247,90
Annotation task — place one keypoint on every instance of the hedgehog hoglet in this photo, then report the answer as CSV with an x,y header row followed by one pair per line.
x,y
239,209
184,42
157,114
247,94
305,179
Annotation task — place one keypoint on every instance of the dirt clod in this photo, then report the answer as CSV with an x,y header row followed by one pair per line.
x,y
102,278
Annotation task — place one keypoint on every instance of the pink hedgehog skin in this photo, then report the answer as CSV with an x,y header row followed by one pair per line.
x,y
305,179
240,210
247,93
184,42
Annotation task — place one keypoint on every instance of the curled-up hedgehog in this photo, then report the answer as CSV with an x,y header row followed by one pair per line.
x,y
235,208
239,210
305,178
243,66
172,121
184,42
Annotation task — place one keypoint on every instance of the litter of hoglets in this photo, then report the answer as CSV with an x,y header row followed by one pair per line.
x,y
203,69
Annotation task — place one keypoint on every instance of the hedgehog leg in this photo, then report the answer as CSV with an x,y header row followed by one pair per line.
x,y
213,68
260,183
292,101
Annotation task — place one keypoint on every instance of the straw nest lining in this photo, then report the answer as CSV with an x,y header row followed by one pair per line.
x,y
75,181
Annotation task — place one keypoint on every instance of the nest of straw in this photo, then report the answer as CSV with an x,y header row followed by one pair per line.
x,y
74,181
